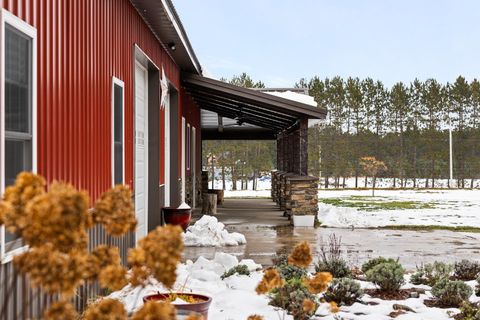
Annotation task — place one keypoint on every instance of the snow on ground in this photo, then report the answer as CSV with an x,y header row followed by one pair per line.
x,y
448,208
208,232
234,298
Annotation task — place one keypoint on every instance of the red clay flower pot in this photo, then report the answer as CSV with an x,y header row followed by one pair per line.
x,y
177,217
200,307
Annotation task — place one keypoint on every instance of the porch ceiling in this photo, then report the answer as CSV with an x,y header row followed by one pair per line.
x,y
259,115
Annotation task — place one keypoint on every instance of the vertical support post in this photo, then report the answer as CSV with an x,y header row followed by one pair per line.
x,y
303,147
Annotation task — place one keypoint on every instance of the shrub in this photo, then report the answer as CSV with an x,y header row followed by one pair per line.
x,y
291,297
477,288
451,293
343,291
239,269
468,311
331,259
388,276
466,270
430,273
376,261
288,271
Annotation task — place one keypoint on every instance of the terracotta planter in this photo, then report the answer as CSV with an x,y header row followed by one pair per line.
x,y
177,217
200,308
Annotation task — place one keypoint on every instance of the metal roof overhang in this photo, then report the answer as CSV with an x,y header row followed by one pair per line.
x,y
163,20
270,114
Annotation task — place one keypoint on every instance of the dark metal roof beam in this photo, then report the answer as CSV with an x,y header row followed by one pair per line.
x,y
246,112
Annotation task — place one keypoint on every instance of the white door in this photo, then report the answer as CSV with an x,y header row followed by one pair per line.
x,y
141,150
193,164
183,164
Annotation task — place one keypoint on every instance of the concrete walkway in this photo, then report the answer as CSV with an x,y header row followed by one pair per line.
x,y
268,234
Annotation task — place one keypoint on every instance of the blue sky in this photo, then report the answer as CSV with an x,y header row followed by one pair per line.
x,y
280,41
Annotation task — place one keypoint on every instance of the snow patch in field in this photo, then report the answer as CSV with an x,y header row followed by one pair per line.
x,y
208,232
449,208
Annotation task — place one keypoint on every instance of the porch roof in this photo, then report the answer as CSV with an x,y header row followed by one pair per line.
x,y
257,115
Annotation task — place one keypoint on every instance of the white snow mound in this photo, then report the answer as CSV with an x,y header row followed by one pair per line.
x,y
208,232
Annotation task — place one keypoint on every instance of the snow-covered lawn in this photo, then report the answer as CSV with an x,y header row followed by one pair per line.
x,y
234,298
347,208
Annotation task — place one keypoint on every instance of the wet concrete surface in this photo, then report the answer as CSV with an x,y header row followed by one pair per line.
x,y
268,234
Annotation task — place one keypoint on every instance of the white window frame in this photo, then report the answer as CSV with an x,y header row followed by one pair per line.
x,y
31,32
184,169
189,146
120,83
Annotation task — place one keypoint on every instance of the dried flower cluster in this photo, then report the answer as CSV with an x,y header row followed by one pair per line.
x,y
59,217
113,277
61,310
115,210
334,307
153,310
12,210
101,257
255,317
271,280
157,255
301,255
106,309
319,283
53,270
195,317
309,306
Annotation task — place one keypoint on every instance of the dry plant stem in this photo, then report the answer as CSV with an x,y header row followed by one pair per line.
x,y
334,248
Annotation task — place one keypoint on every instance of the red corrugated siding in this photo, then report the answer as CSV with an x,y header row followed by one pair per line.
x,y
81,45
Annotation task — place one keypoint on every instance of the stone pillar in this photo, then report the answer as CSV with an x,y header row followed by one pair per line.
x,y
203,185
273,180
301,195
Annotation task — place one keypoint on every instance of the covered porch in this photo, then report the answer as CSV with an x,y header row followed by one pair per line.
x,y
229,112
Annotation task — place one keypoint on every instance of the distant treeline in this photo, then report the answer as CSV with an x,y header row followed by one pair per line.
x,y
406,126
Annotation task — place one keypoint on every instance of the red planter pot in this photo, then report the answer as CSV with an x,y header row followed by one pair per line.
x,y
200,308
177,217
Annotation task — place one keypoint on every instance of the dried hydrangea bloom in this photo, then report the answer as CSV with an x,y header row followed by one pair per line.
x,y
61,310
101,257
113,277
309,306
301,255
255,317
334,307
115,210
5,208
163,250
155,311
271,280
195,317
54,271
106,309
59,217
319,283
139,276
27,186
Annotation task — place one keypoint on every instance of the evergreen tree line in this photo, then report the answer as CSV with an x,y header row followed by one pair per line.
x,y
406,126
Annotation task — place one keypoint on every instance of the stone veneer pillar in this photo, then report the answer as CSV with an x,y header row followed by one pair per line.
x,y
301,195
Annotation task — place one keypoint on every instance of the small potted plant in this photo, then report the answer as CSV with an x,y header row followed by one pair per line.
x,y
186,303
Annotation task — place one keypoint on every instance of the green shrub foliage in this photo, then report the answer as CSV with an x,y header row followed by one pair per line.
x,y
451,293
240,269
387,275
430,273
344,291
466,270
290,298
373,262
288,271
337,267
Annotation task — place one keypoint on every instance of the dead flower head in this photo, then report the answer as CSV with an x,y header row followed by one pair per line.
x,y
271,280
27,186
106,309
155,311
309,306
160,251
53,270
59,217
101,257
301,255
115,210
319,283
255,317
195,317
61,310
334,307
113,277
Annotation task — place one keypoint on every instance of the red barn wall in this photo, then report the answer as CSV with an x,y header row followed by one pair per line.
x,y
81,45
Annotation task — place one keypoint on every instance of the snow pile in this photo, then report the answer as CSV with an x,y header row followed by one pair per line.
x,y
208,232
